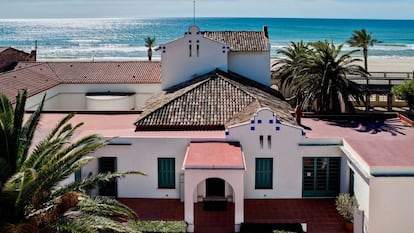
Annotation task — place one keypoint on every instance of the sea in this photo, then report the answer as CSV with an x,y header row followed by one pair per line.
x,y
123,38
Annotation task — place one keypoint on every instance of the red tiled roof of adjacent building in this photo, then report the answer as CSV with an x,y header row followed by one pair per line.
x,y
36,79
214,155
241,41
40,76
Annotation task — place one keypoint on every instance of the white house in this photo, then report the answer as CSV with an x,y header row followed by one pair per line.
x,y
216,135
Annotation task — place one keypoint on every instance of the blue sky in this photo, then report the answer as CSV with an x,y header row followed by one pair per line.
x,y
374,9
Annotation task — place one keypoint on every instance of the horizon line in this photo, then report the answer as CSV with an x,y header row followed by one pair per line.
x,y
208,17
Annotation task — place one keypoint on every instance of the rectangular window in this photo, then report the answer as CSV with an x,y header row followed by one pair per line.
x,y
166,172
189,50
269,142
264,173
107,164
261,141
321,176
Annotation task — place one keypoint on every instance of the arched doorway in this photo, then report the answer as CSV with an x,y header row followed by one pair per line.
x,y
214,211
215,187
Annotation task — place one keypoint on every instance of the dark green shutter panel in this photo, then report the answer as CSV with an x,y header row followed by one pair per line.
x,y
264,173
166,172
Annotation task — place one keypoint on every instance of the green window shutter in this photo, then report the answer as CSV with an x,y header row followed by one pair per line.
x,y
264,173
78,175
166,172
321,176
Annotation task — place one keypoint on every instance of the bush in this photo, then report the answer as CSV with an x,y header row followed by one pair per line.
x,y
345,205
159,226
405,91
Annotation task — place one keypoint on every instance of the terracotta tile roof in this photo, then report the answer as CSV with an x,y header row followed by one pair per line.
x,y
214,155
3,48
36,79
210,102
107,72
241,41
40,76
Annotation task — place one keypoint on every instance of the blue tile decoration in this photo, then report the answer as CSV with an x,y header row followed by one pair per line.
x,y
277,128
277,121
227,133
252,121
303,133
252,128
270,121
259,121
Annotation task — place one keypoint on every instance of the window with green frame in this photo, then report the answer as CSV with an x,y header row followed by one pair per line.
x,y
264,173
166,172
321,176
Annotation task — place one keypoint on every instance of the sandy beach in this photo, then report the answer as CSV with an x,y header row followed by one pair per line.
x,y
390,64
376,64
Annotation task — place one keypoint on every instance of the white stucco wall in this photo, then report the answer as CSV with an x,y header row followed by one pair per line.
x,y
287,164
110,102
253,65
178,66
362,194
391,204
57,97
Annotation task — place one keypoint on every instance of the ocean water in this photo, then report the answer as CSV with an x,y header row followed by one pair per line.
x,y
123,39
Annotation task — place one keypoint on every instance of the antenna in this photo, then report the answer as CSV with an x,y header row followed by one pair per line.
x,y
194,12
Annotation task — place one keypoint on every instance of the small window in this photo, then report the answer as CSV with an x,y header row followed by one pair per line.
x,y
106,165
189,50
261,141
166,172
269,142
264,173
198,50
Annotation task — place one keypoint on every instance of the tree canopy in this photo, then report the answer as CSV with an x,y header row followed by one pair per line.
x,y
363,39
32,195
317,72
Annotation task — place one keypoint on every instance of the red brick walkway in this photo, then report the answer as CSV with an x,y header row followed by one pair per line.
x,y
319,214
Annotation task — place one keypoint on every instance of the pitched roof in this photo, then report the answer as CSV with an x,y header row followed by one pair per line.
x,y
36,79
210,102
40,76
214,155
241,41
3,49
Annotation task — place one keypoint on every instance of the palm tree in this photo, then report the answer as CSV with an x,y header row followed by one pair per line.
x,y
149,43
32,198
285,68
362,39
322,76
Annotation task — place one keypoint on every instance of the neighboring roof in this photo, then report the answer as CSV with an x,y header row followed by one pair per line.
x,y
40,76
214,155
381,143
35,79
3,48
210,102
241,41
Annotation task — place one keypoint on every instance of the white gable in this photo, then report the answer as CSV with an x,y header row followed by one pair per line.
x,y
191,56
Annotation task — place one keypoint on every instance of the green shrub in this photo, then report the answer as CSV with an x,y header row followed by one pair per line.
x,y
345,205
405,91
159,226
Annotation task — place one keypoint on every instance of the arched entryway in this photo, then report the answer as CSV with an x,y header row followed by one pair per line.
x,y
214,208
209,165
